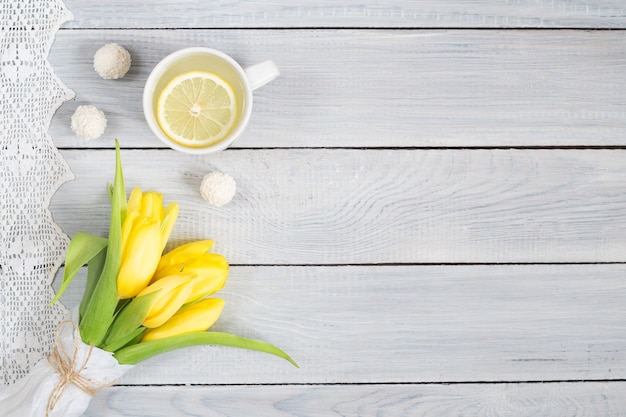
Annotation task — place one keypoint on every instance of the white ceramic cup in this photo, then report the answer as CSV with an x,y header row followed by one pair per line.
x,y
243,81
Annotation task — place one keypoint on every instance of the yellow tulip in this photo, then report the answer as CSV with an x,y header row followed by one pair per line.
x,y
173,292
209,269
197,317
144,236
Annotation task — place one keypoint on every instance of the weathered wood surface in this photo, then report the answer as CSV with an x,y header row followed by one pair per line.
x,y
484,400
376,88
329,13
344,206
327,242
407,324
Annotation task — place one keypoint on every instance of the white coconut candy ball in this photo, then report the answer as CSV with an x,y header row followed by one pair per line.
x,y
218,188
111,61
88,122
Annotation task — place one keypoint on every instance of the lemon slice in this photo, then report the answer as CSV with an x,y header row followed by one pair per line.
x,y
197,109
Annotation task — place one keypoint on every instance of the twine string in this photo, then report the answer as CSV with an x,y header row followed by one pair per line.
x,y
65,366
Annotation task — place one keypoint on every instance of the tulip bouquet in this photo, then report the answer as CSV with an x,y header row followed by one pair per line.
x,y
138,303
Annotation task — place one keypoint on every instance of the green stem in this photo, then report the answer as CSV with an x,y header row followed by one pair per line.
x,y
100,310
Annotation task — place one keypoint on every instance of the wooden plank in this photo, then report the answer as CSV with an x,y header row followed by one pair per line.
x,y
408,324
364,88
375,206
317,13
502,400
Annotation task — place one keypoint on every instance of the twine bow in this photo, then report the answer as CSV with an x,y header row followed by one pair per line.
x,y
65,366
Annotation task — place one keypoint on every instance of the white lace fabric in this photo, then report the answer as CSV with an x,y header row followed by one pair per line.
x,y
32,246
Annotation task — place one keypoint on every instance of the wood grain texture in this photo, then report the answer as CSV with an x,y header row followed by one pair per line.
x,y
327,13
403,324
485,400
379,88
375,206
372,339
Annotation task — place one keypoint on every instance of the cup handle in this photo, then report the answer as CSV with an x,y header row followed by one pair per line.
x,y
261,73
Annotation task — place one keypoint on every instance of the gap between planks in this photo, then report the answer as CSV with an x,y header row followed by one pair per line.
x,y
338,384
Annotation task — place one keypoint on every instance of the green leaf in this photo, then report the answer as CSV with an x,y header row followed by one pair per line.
x,y
141,351
94,269
121,342
100,309
126,323
137,339
121,304
82,248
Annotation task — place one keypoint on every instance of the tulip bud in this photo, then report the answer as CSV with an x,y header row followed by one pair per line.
x,y
197,317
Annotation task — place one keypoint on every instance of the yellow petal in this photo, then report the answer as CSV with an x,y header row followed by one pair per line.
x,y
168,283
169,219
207,260
134,201
196,318
166,272
140,257
173,291
152,205
207,286
211,271
131,217
167,287
185,252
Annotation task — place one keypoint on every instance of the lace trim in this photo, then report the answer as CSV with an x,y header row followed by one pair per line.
x,y
32,246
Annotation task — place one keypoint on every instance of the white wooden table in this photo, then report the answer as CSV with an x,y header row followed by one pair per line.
x,y
431,207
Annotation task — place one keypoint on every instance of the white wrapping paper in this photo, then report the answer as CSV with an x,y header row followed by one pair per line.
x,y
29,396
